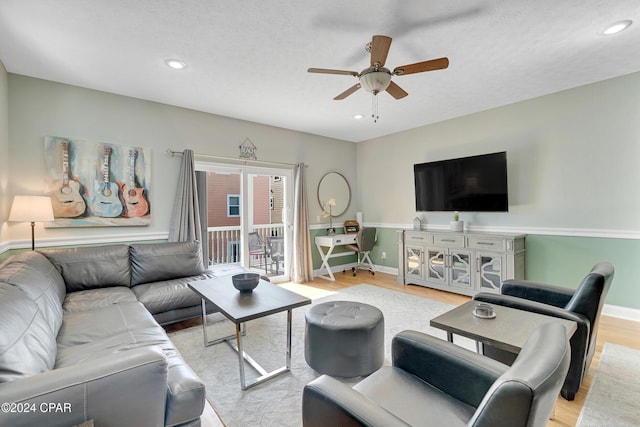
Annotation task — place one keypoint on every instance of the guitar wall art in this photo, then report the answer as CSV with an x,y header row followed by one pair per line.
x,y
96,184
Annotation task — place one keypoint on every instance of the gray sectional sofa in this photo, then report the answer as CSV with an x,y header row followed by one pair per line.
x,y
81,340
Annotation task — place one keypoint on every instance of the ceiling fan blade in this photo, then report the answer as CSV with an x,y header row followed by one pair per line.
x,y
379,50
420,67
347,92
396,91
327,71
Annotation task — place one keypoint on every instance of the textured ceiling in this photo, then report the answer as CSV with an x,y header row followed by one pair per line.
x,y
248,59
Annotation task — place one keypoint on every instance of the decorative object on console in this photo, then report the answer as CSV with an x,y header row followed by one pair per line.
x,y
245,282
456,224
31,209
97,184
417,223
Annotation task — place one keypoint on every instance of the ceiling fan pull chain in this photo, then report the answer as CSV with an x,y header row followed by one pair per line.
x,y
374,108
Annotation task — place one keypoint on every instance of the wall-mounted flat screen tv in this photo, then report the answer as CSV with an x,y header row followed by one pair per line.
x,y
467,184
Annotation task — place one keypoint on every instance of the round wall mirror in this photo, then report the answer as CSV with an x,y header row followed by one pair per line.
x,y
334,185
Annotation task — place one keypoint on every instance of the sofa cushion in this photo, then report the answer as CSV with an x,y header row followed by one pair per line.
x,y
92,299
27,344
92,267
91,326
38,278
167,295
153,262
119,328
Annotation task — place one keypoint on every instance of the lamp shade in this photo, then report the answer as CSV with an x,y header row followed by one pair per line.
x,y
375,81
31,209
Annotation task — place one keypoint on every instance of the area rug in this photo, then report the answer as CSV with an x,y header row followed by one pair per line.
x,y
614,395
277,402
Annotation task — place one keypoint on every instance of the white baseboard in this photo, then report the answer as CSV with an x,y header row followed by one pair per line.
x,y
340,268
621,312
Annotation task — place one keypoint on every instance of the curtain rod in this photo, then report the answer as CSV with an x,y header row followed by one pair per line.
x,y
245,161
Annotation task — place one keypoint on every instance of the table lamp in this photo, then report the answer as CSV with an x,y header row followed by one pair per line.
x,y
31,209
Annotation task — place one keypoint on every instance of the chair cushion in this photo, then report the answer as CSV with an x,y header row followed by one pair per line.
x,y
412,400
165,261
92,267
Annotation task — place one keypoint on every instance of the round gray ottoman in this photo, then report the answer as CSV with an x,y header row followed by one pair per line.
x,y
344,338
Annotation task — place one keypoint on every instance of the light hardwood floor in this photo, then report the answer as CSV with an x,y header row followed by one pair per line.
x,y
613,330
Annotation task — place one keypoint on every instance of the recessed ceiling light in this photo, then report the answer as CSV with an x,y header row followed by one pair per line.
x,y
176,64
617,27
358,116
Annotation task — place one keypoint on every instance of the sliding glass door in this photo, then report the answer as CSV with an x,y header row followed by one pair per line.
x,y
249,218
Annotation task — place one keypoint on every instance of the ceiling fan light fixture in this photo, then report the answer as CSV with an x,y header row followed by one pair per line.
x,y
376,81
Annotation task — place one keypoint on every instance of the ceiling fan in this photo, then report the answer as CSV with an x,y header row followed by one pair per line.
x,y
376,78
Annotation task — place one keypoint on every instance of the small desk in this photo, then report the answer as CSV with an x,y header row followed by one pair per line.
x,y
330,243
508,331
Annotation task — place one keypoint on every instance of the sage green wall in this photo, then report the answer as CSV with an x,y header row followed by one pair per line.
x,y
574,180
565,261
4,151
39,107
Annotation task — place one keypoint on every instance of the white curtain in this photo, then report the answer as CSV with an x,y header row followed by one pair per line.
x,y
185,220
302,260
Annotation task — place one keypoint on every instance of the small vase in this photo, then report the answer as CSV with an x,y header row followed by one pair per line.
x,y
456,225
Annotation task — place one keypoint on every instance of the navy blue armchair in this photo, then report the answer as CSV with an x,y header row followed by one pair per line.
x,y
582,305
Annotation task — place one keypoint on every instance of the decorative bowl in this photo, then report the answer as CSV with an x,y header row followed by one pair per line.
x,y
245,282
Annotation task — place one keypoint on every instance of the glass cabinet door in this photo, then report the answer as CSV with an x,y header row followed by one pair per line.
x,y
437,265
414,262
490,269
460,264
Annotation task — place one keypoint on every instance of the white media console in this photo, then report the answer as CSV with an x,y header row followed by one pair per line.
x,y
460,262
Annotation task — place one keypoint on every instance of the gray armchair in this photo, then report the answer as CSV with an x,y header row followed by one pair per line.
x,y
435,383
582,305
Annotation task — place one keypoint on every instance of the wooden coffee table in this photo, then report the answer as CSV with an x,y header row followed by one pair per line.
x,y
265,299
509,330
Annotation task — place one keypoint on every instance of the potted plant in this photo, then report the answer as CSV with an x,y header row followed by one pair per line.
x,y
456,224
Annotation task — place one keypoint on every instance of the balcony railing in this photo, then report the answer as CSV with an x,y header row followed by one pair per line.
x,y
224,242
